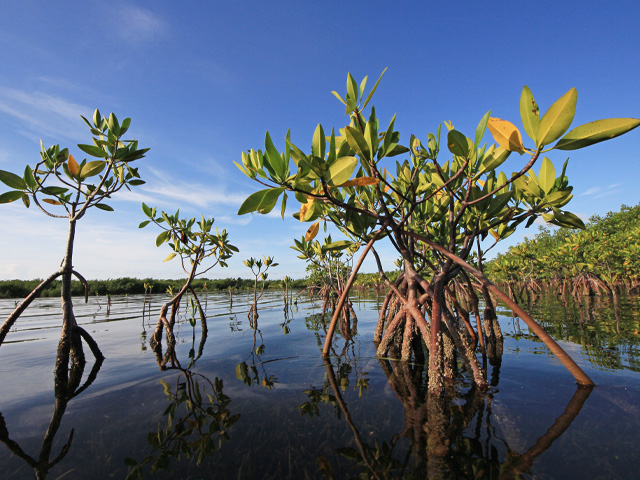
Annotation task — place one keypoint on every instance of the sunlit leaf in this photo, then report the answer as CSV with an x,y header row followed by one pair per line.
x,y
595,132
170,257
547,176
457,143
261,201
506,134
356,140
341,170
312,232
529,113
360,182
74,168
366,102
482,127
93,151
93,168
558,118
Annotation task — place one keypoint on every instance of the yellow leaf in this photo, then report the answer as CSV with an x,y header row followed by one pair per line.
x,y
481,183
74,168
305,208
312,232
494,234
360,182
51,202
506,134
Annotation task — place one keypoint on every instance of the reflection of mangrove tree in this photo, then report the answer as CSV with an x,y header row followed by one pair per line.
x,y
68,385
252,370
197,422
596,324
443,437
198,418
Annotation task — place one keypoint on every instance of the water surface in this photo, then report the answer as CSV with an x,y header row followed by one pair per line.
x,y
277,410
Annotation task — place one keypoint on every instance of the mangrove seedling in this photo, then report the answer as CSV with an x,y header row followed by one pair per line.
x,y
258,273
193,243
62,187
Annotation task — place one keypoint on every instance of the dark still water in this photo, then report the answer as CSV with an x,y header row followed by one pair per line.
x,y
263,404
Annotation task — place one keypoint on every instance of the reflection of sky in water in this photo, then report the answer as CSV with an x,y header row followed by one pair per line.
x,y
113,416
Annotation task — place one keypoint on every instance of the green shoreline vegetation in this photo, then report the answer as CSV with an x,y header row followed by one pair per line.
x,y
603,256
602,259
135,286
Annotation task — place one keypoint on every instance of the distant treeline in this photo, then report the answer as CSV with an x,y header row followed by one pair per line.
x,y
604,257
133,286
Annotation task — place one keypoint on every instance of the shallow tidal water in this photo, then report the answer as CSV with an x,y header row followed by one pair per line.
x,y
262,403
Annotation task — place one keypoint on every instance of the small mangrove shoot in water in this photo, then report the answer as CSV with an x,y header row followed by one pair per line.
x,y
258,273
193,243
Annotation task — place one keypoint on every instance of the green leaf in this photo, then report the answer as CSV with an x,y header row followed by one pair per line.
x,y
12,180
11,196
366,102
557,197
104,206
93,151
341,170
558,118
337,95
29,179
163,237
595,132
144,224
482,127
457,143
547,176
54,190
339,245
494,159
147,211
261,201
529,113
170,257
567,219
352,88
319,143
356,140
273,157
92,168
283,206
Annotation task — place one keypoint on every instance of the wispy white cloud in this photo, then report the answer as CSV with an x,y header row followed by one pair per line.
x,y
600,192
137,24
592,191
165,191
42,114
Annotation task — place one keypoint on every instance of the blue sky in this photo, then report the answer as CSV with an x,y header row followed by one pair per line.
x,y
203,81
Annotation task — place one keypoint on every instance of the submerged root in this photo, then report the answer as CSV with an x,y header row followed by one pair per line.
x,y
404,331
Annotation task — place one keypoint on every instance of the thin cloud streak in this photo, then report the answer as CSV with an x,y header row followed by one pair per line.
x,y
137,24
36,110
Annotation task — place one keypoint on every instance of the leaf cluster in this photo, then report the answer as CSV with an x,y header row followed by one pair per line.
x,y
190,240
59,180
349,178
